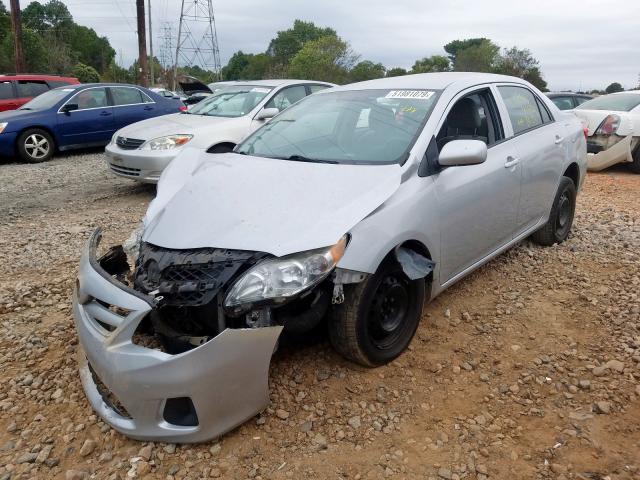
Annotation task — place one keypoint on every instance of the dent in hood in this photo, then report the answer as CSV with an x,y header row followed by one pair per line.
x,y
260,204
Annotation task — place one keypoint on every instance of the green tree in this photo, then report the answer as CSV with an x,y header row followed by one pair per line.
x,y
396,72
86,73
236,65
288,43
614,88
472,54
366,70
327,58
520,63
435,63
258,67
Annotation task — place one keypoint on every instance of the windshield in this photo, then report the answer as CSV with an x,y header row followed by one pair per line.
x,y
47,99
357,126
231,102
620,102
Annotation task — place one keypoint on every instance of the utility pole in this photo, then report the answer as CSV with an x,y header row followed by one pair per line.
x,y
143,73
150,48
175,65
16,27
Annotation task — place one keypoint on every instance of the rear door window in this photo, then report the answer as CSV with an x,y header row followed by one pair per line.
x,y
6,91
522,108
126,96
31,88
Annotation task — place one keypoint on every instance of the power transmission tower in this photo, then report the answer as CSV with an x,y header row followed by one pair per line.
x,y
203,52
166,51
143,73
16,27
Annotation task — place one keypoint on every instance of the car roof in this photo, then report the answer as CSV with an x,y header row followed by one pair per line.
x,y
276,82
635,92
567,94
435,81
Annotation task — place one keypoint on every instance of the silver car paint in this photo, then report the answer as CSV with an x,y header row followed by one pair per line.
x,y
463,215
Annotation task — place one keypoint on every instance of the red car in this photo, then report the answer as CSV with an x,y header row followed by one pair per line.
x,y
16,90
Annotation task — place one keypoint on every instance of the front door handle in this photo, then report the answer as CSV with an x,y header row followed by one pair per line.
x,y
511,162
148,108
105,114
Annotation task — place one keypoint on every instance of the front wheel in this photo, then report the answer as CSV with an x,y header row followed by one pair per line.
x,y
35,146
635,165
379,316
557,228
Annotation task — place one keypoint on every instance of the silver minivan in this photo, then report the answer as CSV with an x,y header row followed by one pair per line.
x,y
353,207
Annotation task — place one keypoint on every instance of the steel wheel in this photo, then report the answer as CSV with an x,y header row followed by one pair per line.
x,y
37,146
387,315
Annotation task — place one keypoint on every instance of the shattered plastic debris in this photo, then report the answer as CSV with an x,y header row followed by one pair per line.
x,y
413,264
131,245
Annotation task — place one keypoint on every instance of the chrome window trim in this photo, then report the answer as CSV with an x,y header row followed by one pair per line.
x,y
108,106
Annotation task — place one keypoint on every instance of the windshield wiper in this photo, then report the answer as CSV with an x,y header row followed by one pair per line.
x,y
300,158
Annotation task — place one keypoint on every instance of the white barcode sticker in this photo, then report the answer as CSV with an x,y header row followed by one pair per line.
x,y
414,94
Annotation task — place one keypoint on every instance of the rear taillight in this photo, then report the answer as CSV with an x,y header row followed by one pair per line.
x,y
609,125
182,108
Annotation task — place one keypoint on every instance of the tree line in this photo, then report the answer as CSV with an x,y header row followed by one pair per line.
x,y
307,51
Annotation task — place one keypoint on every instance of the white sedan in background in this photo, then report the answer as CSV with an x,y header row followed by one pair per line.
x,y
141,151
613,123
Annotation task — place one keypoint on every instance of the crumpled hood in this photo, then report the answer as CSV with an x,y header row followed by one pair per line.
x,y
249,203
176,123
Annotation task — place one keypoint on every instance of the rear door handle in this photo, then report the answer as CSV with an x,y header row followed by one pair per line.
x,y
105,114
511,162
148,108
559,139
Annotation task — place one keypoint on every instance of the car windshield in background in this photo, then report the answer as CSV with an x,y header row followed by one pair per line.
x,y
620,102
356,126
231,102
47,99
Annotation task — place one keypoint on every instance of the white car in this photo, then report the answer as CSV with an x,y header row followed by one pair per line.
x,y
141,151
613,123
353,207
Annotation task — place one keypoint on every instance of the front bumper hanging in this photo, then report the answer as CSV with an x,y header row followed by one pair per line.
x,y
147,394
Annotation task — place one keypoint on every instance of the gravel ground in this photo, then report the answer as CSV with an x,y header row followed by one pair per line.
x,y
528,369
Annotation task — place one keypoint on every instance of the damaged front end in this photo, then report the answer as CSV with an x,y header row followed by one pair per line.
x,y
178,349
201,379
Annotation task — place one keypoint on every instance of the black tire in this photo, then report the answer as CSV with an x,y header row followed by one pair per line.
x,y
635,165
378,317
222,148
557,228
35,146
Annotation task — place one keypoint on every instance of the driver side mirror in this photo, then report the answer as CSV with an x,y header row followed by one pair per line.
x,y
457,153
267,113
69,107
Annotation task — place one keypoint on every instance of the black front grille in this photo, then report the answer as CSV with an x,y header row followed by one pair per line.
x,y
129,143
189,278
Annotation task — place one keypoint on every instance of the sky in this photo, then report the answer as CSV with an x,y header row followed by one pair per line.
x,y
581,44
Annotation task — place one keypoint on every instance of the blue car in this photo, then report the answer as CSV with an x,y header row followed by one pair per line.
x,y
77,116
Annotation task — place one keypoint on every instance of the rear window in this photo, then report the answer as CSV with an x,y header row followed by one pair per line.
x,y
126,96
619,102
6,91
31,88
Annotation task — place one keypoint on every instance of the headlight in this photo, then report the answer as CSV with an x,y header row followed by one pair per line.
x,y
3,126
279,279
167,143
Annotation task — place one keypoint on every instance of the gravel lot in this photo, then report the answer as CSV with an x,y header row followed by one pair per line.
x,y
528,369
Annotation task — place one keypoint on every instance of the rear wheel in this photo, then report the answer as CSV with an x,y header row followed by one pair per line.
x,y
35,146
557,228
379,316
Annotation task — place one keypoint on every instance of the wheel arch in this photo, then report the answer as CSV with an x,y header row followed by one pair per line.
x,y
421,249
38,127
229,144
573,172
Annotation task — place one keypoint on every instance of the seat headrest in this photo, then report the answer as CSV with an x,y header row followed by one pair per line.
x,y
464,114
381,118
